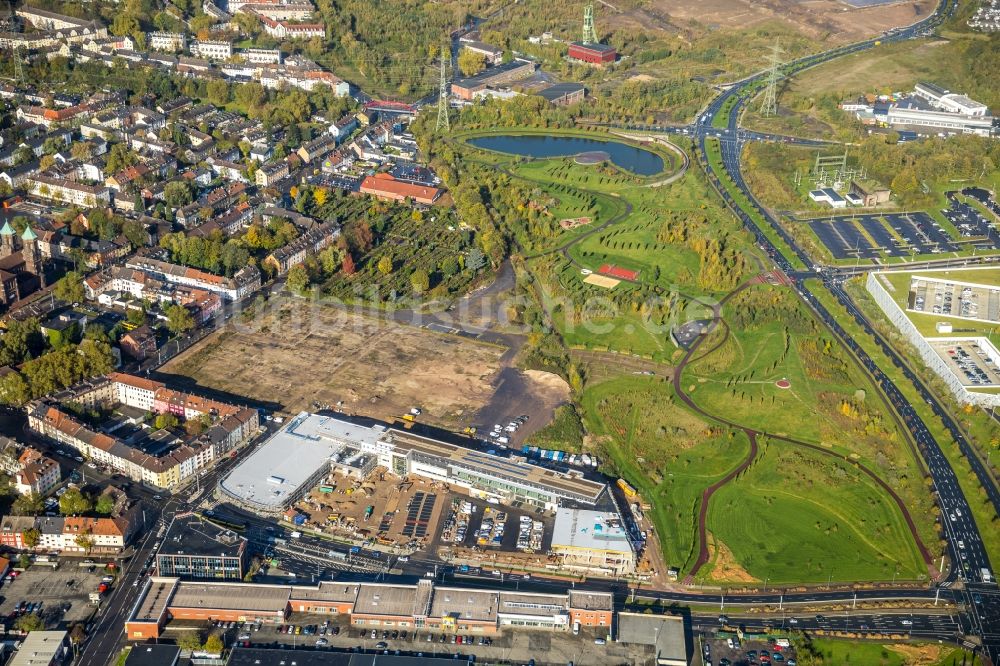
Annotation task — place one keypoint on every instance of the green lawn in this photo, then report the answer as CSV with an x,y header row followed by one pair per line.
x,y
834,652
798,516
667,453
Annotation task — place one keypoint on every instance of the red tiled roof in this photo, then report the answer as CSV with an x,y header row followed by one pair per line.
x,y
383,184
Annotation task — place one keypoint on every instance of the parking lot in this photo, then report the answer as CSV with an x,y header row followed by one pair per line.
x,y
517,646
868,236
963,300
970,362
734,652
63,593
970,222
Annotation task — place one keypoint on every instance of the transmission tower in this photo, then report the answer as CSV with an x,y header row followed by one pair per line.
x,y
589,33
15,44
770,104
442,121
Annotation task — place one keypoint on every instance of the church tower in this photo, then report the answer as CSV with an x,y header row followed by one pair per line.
x,y
32,255
6,240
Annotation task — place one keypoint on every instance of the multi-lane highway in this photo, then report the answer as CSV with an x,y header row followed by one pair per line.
x,y
965,547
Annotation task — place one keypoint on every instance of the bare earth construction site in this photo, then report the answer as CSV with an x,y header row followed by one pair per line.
x,y
830,20
307,355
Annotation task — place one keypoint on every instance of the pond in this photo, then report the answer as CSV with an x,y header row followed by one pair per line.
x,y
639,161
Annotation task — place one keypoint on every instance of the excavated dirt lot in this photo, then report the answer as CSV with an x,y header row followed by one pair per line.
x,y
830,20
303,356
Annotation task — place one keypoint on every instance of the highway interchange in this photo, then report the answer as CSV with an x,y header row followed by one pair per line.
x,y
979,602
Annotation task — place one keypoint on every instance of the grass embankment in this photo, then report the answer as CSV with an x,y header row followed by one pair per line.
x,y
829,402
982,509
668,454
798,516
834,652
714,156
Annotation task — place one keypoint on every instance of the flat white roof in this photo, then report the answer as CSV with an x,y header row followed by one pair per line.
x,y
592,530
276,470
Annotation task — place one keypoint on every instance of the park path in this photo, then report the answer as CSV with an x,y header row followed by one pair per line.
x,y
752,435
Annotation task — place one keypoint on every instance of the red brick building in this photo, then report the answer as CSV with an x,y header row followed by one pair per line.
x,y
596,54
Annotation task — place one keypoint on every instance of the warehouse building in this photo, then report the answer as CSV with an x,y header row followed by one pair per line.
x,y
564,94
594,53
500,75
420,605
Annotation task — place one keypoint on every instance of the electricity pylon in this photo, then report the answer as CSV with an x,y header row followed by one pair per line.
x,y
769,106
442,121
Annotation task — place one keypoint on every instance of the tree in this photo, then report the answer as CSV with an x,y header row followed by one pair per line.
x,y
46,162
421,281
77,634
86,541
471,63
136,317
104,505
179,319
189,641
31,536
475,260
27,505
120,157
163,421
213,644
347,266
385,265
14,389
449,266
74,502
29,623
297,279
70,288
177,193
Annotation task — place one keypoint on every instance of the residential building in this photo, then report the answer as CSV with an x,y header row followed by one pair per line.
x,y
244,282
139,343
284,11
309,243
261,56
212,49
269,174
317,148
166,41
341,129
12,529
158,458
37,474
69,191
384,186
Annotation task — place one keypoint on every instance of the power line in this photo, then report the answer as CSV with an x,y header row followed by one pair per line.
x,y
442,119
769,107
